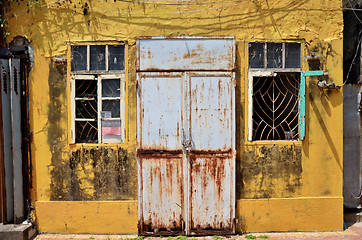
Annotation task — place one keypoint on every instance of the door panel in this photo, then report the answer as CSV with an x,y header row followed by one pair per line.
x,y
15,93
211,155
211,197
160,155
7,137
186,54
161,112
211,116
162,194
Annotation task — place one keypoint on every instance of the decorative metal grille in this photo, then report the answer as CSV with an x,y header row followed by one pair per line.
x,y
275,107
86,111
86,131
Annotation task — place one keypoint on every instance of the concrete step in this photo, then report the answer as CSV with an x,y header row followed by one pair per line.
x,y
352,216
16,231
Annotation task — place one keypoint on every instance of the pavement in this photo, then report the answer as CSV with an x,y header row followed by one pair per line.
x,y
354,232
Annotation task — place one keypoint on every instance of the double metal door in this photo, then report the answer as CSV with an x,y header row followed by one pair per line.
x,y
186,153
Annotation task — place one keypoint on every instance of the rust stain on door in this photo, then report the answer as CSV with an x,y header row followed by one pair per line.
x,y
186,141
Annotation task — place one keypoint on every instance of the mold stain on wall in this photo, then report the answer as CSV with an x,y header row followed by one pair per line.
x,y
79,172
264,170
93,173
57,92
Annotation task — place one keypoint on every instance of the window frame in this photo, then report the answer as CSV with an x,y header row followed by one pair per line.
x,y
89,71
301,105
270,72
99,76
283,68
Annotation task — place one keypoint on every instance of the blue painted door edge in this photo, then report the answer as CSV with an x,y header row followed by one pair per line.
x,y
302,99
314,73
302,106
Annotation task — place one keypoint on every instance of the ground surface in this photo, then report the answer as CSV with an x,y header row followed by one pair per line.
x,y
354,232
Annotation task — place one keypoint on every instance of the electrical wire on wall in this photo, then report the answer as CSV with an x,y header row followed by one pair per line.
x,y
57,3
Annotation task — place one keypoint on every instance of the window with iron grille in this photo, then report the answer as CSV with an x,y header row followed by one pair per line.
x,y
275,92
97,93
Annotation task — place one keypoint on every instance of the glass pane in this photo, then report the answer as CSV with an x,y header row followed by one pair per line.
x,y
86,132
256,55
111,131
111,109
86,88
116,57
97,57
111,88
292,55
274,53
86,109
79,58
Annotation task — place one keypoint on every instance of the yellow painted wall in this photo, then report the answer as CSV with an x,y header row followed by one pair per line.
x,y
105,217
289,214
64,172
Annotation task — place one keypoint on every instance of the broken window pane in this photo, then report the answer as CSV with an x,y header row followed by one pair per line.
x,y
292,55
97,57
86,132
116,57
274,53
86,109
111,108
79,58
256,55
86,88
275,107
111,88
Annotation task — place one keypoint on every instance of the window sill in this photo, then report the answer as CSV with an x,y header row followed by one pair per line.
x,y
276,142
79,145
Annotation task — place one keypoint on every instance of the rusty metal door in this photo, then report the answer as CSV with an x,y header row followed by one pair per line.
x,y
211,154
186,143
160,154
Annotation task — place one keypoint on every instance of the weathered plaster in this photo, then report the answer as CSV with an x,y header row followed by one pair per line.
x,y
270,171
273,170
